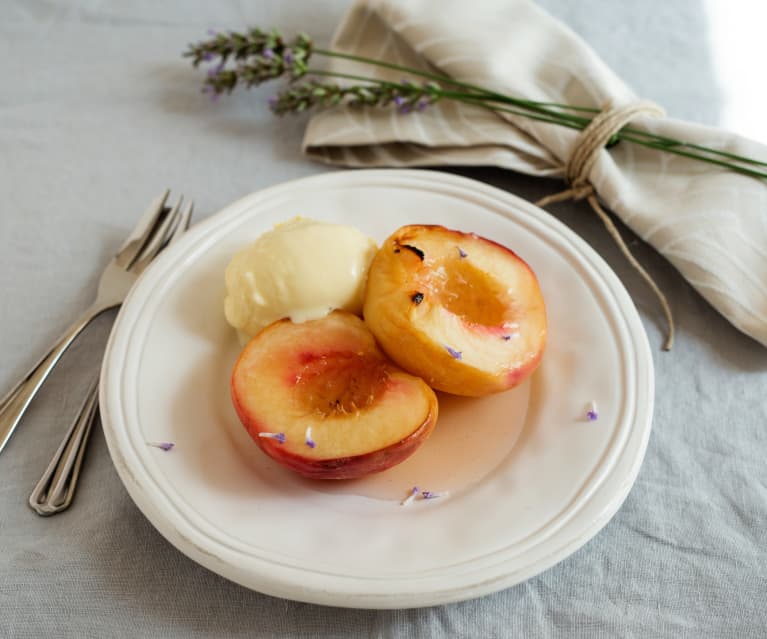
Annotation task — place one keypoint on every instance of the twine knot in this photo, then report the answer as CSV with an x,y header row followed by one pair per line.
x,y
600,131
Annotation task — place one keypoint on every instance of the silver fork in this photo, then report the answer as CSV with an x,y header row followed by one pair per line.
x,y
157,226
56,488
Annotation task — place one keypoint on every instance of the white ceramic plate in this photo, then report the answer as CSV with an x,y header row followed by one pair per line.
x,y
531,479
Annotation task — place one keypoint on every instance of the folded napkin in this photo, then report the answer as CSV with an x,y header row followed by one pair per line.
x,y
710,223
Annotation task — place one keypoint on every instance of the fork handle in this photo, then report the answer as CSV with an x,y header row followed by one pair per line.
x,y
56,488
15,403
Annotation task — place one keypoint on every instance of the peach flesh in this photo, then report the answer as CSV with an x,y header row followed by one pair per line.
x,y
463,312
365,413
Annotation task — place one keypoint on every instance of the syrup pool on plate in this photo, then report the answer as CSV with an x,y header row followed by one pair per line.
x,y
472,437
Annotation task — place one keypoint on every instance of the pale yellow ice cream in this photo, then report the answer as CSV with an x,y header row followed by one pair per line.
x,y
302,269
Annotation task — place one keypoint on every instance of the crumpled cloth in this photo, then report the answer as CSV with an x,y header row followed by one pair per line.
x,y
709,222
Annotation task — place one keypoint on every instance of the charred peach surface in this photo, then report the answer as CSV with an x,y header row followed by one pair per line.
x,y
463,312
322,399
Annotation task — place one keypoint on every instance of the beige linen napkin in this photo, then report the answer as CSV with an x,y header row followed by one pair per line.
x,y
710,223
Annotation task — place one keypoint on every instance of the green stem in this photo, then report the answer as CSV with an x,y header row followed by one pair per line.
x,y
625,135
670,142
410,71
649,139
525,114
351,76
676,151
659,141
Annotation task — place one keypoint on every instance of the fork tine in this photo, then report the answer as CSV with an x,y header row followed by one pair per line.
x,y
142,232
157,241
183,223
178,225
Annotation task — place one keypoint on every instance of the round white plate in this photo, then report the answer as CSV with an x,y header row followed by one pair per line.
x,y
557,479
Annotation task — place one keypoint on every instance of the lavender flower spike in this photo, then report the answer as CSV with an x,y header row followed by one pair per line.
x,y
409,499
454,353
309,441
280,437
166,446
592,414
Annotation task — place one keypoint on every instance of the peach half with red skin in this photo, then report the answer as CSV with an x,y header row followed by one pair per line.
x,y
463,312
322,399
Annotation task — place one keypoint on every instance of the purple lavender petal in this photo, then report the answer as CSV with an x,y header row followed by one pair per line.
x,y
212,32
166,446
462,253
454,353
399,100
268,54
422,104
506,338
208,56
288,57
592,415
213,72
273,100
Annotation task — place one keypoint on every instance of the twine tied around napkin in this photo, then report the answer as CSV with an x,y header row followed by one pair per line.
x,y
586,148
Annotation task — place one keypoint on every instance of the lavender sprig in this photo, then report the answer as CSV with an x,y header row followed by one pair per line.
x,y
407,96
258,56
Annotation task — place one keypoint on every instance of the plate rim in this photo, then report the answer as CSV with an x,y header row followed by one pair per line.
x,y
316,593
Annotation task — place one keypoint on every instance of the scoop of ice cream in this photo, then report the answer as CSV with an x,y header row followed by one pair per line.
x,y
302,269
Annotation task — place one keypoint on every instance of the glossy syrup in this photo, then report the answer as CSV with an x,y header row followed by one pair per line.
x,y
472,438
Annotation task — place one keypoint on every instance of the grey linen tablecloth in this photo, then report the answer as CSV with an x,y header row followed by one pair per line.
x,y
98,113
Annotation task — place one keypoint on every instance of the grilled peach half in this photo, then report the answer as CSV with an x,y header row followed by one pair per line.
x,y
463,312
321,398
